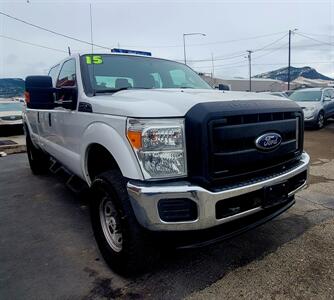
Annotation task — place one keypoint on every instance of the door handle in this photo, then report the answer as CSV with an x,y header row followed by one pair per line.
x,y
50,120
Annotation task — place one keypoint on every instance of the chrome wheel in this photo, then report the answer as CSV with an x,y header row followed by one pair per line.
x,y
321,120
110,224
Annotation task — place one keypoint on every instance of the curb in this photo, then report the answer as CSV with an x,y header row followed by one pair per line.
x,y
11,149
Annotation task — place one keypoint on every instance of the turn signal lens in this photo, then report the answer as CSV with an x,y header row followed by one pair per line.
x,y
135,139
27,97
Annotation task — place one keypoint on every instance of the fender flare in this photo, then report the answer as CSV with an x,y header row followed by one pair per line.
x,y
117,145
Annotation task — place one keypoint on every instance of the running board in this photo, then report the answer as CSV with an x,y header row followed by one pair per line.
x,y
72,182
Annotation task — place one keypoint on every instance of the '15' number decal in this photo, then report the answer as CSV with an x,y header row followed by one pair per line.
x,y
95,59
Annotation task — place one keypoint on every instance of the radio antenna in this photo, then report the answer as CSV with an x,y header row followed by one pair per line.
x,y
92,44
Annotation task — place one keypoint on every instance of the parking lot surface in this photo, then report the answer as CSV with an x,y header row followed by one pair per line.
x,y
47,249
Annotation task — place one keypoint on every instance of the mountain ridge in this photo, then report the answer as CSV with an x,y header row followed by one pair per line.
x,y
11,87
282,74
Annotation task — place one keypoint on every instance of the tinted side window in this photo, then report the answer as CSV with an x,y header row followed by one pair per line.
x,y
53,73
67,76
326,94
331,93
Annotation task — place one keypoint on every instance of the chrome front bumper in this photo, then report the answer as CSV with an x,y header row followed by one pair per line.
x,y
145,197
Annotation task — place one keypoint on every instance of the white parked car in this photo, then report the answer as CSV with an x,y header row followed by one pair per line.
x,y
168,159
10,113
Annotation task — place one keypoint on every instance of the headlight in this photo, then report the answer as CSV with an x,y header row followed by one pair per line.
x,y
309,110
159,146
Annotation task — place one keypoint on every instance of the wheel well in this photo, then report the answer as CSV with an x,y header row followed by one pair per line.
x,y
99,160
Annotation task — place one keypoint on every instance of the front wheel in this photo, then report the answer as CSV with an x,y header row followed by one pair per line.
x,y
320,120
124,244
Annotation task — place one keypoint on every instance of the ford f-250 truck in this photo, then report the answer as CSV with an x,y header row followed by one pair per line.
x,y
166,157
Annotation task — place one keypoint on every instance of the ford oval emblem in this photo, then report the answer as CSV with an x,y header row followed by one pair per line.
x,y
268,141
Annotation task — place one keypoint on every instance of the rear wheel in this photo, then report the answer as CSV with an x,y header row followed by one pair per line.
x,y
320,120
124,244
38,160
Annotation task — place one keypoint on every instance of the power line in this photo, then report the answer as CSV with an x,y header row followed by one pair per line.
x,y
31,44
272,51
210,43
108,48
52,31
270,44
240,54
216,59
318,34
313,39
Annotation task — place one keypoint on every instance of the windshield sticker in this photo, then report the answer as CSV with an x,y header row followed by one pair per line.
x,y
95,59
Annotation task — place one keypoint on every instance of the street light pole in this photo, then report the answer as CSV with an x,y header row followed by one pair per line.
x,y
184,43
250,68
184,49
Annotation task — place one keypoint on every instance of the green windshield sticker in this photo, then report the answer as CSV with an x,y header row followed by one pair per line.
x,y
95,59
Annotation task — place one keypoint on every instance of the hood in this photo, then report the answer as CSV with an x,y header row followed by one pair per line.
x,y
304,104
165,102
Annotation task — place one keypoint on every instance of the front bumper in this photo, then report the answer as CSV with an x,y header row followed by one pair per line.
x,y
310,119
145,197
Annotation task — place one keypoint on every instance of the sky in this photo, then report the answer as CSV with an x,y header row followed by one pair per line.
x,y
230,27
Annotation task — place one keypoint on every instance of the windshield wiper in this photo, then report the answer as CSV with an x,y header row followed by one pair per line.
x,y
120,89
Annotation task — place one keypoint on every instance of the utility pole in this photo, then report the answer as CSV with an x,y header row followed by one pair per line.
x,y
213,66
184,49
289,63
184,43
250,68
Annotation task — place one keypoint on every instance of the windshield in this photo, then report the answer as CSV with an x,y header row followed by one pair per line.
x,y
11,106
306,96
107,73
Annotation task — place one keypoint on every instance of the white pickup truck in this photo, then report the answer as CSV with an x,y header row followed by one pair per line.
x,y
168,159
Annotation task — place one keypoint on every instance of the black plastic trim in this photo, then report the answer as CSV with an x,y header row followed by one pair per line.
x,y
198,122
85,107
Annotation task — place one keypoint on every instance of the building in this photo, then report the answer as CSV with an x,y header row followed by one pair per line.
x,y
242,84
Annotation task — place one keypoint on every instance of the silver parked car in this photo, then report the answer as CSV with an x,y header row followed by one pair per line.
x,y
317,104
10,113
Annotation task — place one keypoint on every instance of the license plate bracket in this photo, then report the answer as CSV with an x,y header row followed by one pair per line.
x,y
275,194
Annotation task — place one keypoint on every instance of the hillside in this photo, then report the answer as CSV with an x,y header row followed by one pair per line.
x,y
282,74
11,87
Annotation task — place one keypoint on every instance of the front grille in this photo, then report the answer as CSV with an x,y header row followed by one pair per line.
x,y
222,142
232,146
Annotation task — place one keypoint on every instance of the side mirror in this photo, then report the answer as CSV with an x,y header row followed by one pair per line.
x,y
327,98
39,92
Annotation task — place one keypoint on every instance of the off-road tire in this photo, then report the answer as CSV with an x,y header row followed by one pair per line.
x,y
137,252
38,160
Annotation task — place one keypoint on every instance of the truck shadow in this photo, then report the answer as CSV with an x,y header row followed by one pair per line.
x,y
182,272
178,273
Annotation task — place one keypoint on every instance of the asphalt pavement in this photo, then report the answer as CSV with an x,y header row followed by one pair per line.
x,y
47,249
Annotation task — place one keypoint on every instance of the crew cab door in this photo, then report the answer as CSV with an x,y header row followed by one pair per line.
x,y
44,119
64,118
